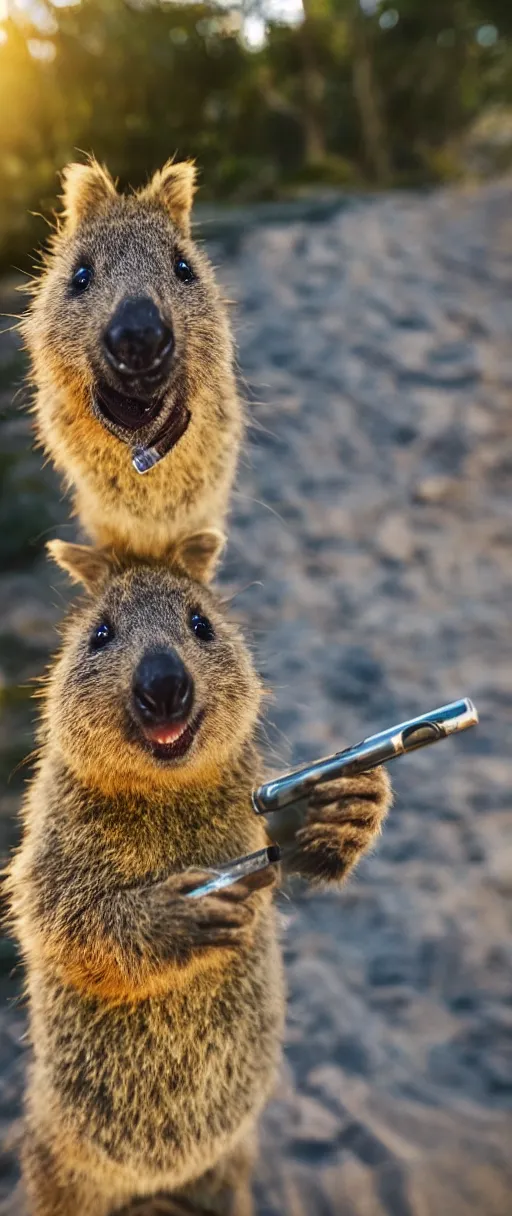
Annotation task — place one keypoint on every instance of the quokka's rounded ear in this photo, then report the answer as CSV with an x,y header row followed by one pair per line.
x,y
91,567
174,187
199,554
86,189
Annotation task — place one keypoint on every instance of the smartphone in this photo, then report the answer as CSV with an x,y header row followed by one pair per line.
x,y
283,793
429,728
230,873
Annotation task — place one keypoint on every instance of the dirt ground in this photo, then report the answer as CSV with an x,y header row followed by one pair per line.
x,y
371,556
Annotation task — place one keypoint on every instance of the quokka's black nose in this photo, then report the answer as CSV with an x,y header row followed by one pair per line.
x,y
137,339
163,689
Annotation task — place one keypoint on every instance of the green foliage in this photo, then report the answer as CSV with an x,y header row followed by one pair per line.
x,y
351,94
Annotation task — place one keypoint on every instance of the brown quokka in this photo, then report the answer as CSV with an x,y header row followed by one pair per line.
x,y
156,1019
130,348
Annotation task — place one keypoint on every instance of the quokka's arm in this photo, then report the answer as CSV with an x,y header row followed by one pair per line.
x,y
133,943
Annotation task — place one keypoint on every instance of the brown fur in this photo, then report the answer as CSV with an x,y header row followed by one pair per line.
x,y
344,818
132,241
156,1020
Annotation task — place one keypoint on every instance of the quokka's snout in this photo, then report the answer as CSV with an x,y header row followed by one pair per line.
x,y
163,695
138,342
136,363
163,689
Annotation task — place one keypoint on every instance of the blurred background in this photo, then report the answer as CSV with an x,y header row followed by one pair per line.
x,y
271,96
356,199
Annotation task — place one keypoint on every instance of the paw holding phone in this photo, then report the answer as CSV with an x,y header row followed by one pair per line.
x,y
343,819
329,812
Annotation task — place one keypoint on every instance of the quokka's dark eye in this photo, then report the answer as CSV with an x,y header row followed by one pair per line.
x,y
101,636
202,627
183,271
82,278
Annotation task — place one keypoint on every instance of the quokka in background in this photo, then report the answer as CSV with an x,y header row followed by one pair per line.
x,y
131,347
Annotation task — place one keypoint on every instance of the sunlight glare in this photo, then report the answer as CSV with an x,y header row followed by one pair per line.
x,y
41,49
254,32
290,12
36,13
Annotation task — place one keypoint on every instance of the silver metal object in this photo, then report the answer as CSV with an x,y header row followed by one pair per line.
x,y
377,749
226,875
144,459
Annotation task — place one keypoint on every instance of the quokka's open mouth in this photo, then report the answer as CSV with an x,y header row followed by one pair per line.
x,y
130,413
172,742
132,419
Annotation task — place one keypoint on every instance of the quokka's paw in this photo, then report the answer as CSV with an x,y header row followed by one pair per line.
x,y
344,818
223,919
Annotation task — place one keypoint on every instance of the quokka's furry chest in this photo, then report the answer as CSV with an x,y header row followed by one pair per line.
x,y
187,490
92,457
156,1081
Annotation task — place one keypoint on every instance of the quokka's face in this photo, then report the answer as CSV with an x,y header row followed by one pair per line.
x,y
153,683
127,310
